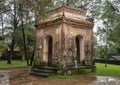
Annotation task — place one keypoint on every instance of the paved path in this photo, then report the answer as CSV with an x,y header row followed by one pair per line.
x,y
4,77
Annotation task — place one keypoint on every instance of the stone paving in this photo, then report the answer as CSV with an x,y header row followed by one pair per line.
x,y
4,77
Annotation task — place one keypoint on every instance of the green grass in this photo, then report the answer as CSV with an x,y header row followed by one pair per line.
x,y
110,70
15,64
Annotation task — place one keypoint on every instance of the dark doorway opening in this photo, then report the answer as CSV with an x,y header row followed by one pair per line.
x,y
50,41
77,39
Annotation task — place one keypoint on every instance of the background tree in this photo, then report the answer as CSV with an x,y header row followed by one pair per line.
x,y
109,15
39,8
20,21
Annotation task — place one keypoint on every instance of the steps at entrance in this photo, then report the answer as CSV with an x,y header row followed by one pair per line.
x,y
40,74
42,71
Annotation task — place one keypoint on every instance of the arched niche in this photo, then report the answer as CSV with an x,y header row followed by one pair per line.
x,y
48,44
79,46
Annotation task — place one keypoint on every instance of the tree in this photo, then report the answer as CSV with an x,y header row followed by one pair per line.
x,y
109,15
39,8
23,32
15,22
2,46
20,21
3,9
73,3
110,20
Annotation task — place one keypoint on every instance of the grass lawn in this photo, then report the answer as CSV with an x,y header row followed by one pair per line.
x,y
110,70
15,64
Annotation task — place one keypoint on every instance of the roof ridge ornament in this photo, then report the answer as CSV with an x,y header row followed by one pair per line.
x,y
63,15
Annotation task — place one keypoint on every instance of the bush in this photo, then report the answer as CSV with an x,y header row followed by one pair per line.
x,y
16,55
56,65
41,64
81,71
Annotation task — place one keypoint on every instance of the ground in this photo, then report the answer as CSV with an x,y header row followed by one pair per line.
x,y
81,80
21,77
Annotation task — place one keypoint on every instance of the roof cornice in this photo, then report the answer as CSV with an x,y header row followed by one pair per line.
x,y
58,20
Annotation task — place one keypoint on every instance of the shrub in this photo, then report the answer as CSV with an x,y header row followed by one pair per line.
x,y
56,65
41,64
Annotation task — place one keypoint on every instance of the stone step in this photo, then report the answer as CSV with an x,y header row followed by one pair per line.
x,y
40,74
42,70
48,68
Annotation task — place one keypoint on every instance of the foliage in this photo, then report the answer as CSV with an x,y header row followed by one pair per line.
x,y
108,29
16,55
101,52
73,3
113,36
56,65
80,71
19,20
3,7
38,7
41,64
29,31
2,46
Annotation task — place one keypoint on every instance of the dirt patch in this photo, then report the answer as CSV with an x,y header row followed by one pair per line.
x,y
15,73
23,80
46,81
75,81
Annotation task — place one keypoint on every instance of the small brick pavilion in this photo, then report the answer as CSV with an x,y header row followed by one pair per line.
x,y
64,39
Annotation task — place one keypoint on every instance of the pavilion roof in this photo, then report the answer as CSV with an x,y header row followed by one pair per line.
x,y
66,18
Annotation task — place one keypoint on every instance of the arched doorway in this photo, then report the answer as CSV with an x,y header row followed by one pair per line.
x,y
49,41
78,41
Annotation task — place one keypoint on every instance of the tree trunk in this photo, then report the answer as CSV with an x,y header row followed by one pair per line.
x,y
11,52
2,26
32,58
24,40
24,44
13,40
